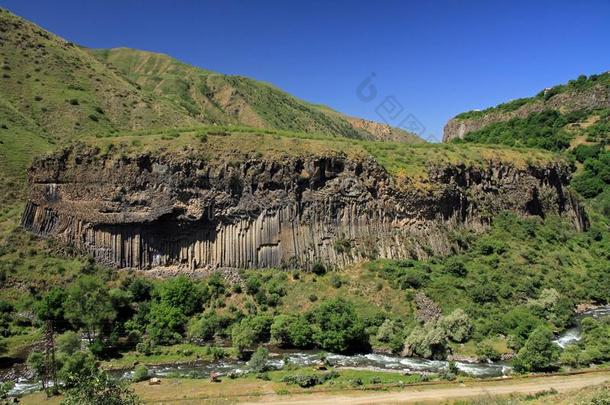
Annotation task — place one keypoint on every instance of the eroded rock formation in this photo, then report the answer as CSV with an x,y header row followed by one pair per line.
x,y
166,210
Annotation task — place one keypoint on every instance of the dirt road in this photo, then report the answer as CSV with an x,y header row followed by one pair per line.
x,y
448,392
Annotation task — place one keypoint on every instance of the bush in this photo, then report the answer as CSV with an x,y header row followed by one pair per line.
x,y
203,327
68,343
318,269
539,352
584,152
251,330
337,327
258,361
291,331
455,267
486,352
140,373
428,341
458,326
587,184
336,281
97,387
183,294
166,323
309,380
74,366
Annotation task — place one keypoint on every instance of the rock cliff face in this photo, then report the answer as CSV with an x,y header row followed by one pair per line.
x,y
592,98
163,210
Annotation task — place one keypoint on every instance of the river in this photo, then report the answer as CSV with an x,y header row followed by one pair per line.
x,y
370,361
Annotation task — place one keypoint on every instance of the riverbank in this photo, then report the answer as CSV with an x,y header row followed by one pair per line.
x,y
342,391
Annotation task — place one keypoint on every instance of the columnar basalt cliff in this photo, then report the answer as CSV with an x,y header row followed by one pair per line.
x,y
573,100
161,209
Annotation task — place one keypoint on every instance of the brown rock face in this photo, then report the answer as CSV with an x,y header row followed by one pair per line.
x,y
594,97
161,210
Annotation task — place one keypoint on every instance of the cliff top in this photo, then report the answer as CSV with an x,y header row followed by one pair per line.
x,y
226,144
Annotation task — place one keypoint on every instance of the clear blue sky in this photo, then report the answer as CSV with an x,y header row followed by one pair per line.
x,y
438,58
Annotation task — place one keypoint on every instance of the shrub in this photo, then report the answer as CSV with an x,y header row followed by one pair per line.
x,y
309,380
183,294
539,352
166,323
140,373
291,331
458,326
202,136
584,152
318,269
68,343
251,330
428,341
587,184
336,281
342,245
486,352
455,267
203,327
97,387
258,361
337,326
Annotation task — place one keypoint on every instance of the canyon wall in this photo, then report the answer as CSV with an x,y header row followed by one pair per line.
x,y
154,210
574,100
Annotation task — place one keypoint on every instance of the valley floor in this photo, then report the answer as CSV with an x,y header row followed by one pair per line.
x,y
552,389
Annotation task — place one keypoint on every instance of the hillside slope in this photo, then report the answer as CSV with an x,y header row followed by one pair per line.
x,y
584,93
53,92
225,99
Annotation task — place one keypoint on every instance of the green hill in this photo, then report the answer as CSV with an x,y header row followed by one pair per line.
x,y
224,99
54,92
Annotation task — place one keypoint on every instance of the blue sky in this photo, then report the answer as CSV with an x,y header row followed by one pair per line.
x,y
435,58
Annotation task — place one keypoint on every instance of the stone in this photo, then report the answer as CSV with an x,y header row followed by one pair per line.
x,y
179,213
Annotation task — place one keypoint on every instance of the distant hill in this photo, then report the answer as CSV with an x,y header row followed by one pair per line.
x,y
226,99
584,94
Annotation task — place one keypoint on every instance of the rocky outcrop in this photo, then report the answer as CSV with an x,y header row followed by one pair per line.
x,y
160,209
592,98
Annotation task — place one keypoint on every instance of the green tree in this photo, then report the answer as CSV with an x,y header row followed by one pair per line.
x,y
182,293
428,341
458,325
337,327
165,323
51,307
96,387
76,365
291,331
68,343
251,330
88,305
539,352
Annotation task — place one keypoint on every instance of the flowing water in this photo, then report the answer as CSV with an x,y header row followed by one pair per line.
x,y
573,334
370,361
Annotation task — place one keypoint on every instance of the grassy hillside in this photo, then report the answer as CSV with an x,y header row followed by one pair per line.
x,y
67,92
580,84
224,99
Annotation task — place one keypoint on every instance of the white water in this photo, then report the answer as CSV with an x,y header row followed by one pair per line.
x,y
370,361
573,335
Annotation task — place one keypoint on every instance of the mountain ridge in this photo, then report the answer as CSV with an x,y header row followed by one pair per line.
x,y
584,93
